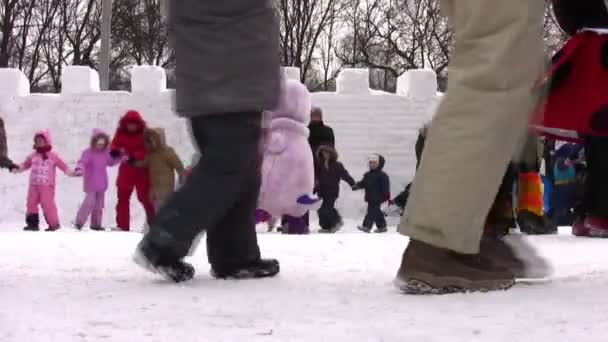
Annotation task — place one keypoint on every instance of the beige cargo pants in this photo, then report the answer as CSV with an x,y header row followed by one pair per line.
x,y
481,122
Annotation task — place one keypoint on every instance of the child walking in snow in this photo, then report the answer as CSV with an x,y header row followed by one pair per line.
x,y
377,191
329,173
129,142
162,163
93,165
43,163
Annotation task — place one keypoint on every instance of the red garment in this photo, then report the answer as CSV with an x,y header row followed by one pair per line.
x,y
131,144
577,104
140,182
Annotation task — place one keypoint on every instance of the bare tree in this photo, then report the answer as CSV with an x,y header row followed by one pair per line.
x,y
140,36
303,24
10,10
395,36
81,24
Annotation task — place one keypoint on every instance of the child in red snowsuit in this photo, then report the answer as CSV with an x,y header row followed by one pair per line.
x,y
41,192
129,141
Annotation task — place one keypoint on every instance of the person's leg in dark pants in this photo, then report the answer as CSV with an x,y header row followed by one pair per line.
x,y
224,183
378,218
333,219
596,201
233,242
368,221
597,181
324,214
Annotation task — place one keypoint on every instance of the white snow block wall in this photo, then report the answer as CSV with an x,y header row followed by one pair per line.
x,y
364,123
353,81
292,73
13,83
79,80
148,80
417,84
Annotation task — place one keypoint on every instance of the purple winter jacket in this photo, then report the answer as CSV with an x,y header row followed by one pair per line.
x,y
93,164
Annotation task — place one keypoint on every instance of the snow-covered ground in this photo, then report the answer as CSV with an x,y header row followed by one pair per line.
x,y
82,286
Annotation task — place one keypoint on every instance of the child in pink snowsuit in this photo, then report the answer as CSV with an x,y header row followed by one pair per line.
x,y
94,164
288,166
43,163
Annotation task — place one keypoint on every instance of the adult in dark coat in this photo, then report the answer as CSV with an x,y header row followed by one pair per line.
x,y
227,73
320,134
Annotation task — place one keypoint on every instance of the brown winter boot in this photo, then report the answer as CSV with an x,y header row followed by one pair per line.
x,y
426,269
516,254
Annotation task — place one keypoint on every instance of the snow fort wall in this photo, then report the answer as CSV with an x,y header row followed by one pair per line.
x,y
364,122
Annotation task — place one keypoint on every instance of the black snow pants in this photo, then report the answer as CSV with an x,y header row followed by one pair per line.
x,y
596,186
220,196
329,217
374,215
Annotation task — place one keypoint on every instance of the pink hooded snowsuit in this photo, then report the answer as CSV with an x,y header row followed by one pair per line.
x,y
41,191
288,166
93,165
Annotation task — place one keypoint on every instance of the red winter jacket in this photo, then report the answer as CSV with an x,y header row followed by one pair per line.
x,y
130,144
577,104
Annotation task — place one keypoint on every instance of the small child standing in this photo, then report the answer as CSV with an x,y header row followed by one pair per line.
x,y
329,173
377,191
93,164
41,192
163,163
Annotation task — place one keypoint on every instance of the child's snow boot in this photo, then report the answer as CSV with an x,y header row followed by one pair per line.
x,y
598,227
381,230
52,229
155,260
365,229
261,268
337,227
96,228
530,223
579,228
32,222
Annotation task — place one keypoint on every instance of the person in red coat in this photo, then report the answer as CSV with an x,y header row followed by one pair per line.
x,y
577,103
129,141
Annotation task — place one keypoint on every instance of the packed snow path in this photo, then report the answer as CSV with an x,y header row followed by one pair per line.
x,y
82,286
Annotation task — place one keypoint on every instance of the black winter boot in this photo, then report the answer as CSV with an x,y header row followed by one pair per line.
x,y
32,222
158,260
261,268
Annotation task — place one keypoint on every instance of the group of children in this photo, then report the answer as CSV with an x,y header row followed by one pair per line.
x,y
147,165
329,172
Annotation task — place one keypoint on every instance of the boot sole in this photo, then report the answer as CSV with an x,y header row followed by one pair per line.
x,y
244,275
433,285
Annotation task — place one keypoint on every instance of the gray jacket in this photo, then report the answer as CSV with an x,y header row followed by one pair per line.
x,y
227,55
